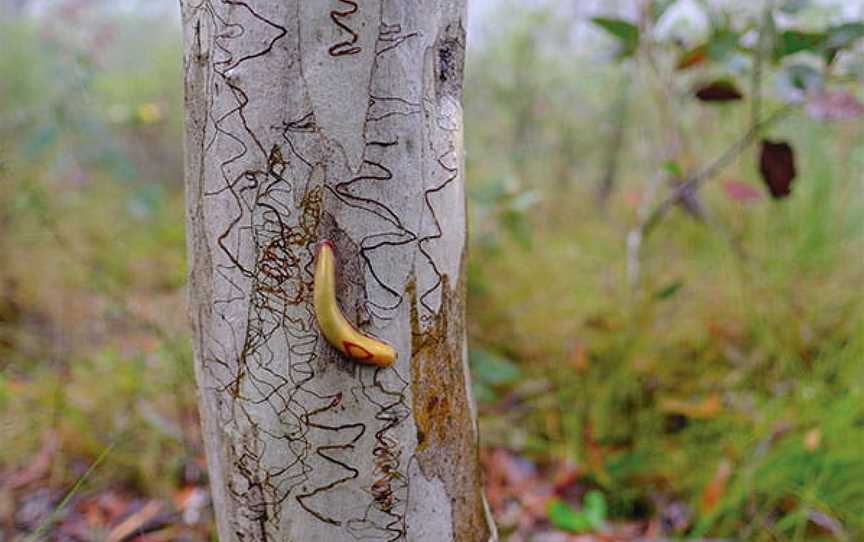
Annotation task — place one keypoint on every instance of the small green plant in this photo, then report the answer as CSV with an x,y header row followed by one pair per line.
x,y
591,517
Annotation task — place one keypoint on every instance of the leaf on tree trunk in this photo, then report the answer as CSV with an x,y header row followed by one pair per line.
x,y
777,166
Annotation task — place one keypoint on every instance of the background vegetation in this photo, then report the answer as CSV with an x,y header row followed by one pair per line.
x,y
658,350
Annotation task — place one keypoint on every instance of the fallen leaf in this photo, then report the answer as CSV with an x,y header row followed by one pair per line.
x,y
506,474
830,524
135,522
535,503
105,507
37,469
191,502
35,506
565,475
716,488
777,166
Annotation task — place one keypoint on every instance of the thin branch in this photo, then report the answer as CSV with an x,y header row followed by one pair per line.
x,y
648,220
695,181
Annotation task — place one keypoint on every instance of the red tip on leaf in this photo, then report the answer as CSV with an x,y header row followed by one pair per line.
x,y
718,91
777,165
325,243
741,192
834,106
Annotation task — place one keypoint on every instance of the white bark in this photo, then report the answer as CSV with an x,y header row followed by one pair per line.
x,y
340,120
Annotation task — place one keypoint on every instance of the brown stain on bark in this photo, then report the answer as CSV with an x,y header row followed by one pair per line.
x,y
450,64
447,442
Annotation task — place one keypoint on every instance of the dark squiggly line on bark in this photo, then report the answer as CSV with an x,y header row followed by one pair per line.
x,y
390,37
347,47
452,175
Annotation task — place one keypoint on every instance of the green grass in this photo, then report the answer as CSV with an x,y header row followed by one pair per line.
x,y
715,359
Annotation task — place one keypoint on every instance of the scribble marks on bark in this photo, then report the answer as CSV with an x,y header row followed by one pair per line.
x,y
318,122
347,47
338,76
260,282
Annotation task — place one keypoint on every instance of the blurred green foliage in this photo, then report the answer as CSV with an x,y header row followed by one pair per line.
x,y
93,344
591,517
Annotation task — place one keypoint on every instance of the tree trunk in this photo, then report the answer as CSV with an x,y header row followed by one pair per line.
x,y
339,120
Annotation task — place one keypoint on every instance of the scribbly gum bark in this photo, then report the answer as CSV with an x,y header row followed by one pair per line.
x,y
339,120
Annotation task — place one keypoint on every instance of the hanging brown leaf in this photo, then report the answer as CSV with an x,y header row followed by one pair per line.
x,y
718,91
777,166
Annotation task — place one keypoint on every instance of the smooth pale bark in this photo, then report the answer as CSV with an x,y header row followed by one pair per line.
x,y
340,120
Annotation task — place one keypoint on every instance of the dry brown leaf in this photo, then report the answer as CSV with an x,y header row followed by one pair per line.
x,y
716,488
38,468
134,522
777,166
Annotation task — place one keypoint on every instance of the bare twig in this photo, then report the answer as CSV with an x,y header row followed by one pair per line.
x,y
695,181
44,527
648,220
